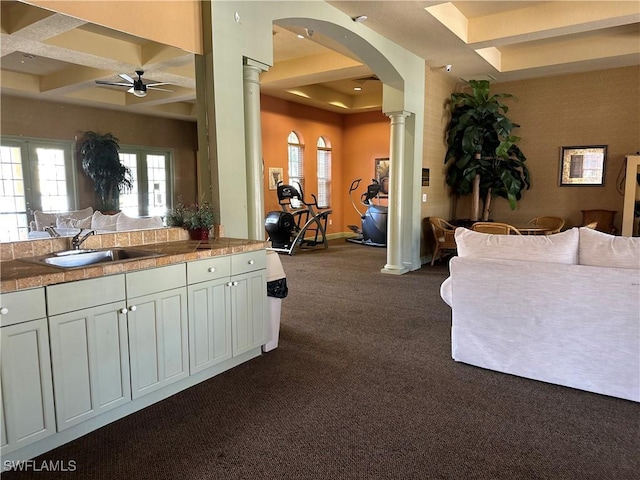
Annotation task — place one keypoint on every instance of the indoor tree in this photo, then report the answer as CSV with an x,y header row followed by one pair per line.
x,y
101,162
482,153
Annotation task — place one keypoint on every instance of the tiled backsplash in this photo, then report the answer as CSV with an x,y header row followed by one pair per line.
x,y
32,248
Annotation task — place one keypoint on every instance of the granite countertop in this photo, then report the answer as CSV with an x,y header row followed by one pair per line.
x,y
19,274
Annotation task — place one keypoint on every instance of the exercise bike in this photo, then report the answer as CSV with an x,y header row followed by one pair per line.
x,y
374,220
299,224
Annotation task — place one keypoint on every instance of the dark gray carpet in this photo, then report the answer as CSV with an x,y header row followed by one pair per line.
x,y
363,386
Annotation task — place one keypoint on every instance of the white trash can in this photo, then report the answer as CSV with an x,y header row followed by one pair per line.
x,y
275,274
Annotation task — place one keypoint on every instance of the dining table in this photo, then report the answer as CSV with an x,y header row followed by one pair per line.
x,y
529,229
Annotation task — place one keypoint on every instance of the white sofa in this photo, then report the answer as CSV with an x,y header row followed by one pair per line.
x,y
563,308
69,223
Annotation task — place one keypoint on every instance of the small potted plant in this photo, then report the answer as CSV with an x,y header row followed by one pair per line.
x,y
198,219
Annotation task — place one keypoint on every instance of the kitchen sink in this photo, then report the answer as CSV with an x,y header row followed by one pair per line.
x,y
83,258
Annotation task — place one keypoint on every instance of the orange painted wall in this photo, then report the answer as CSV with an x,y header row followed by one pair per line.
x,y
356,140
366,137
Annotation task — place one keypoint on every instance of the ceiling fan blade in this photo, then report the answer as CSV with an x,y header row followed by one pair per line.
x,y
149,87
101,82
126,77
156,84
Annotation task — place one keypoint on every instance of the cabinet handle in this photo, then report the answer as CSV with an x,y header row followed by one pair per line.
x,y
211,269
251,262
229,284
235,284
133,308
4,311
123,310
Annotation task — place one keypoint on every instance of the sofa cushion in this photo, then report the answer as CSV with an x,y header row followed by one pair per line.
x,y
70,222
49,219
130,223
557,248
600,249
99,221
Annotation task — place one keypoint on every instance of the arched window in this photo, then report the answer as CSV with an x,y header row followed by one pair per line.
x,y
324,173
296,156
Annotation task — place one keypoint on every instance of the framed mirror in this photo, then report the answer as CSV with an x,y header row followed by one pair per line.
x,y
584,165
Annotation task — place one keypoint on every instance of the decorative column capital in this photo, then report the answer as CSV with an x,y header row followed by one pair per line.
x,y
250,62
399,113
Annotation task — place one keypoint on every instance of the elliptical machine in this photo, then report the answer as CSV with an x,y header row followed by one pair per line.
x,y
374,220
299,224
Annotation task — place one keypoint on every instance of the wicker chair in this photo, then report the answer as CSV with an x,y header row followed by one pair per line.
x,y
443,232
550,224
496,228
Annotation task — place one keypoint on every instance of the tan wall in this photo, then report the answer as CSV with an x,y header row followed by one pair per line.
x,y
175,23
593,108
38,119
438,89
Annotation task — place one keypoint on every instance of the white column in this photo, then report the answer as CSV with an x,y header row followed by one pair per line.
x,y
394,264
253,148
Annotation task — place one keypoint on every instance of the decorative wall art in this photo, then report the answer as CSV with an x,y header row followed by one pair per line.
x,y
582,165
382,175
275,176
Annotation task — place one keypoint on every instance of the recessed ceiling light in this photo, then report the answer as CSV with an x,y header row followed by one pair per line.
x,y
360,18
300,36
357,89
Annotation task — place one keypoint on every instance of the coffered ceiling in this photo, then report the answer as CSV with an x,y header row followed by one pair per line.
x,y
54,57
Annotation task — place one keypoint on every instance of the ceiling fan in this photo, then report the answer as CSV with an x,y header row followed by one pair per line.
x,y
138,87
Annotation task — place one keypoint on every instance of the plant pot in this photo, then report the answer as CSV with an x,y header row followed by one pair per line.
x,y
199,234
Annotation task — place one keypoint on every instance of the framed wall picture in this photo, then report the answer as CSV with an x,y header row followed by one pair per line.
x,y
583,165
275,176
382,175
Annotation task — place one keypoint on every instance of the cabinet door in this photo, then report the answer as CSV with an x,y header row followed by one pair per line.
x,y
27,391
248,310
90,362
209,324
158,340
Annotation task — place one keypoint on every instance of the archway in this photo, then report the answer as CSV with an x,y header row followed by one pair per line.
x,y
242,34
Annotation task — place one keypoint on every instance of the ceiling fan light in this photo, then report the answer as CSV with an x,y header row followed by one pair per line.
x,y
140,93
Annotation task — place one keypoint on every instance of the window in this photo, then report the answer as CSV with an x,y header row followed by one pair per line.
x,y
36,175
296,156
151,172
324,173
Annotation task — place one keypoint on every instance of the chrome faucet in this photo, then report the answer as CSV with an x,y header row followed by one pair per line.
x,y
53,233
76,241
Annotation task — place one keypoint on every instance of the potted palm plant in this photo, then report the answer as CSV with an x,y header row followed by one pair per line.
x,y
101,162
482,153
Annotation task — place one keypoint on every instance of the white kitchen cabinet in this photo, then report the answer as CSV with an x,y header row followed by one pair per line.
x,y
158,331
209,324
89,348
248,310
27,407
227,307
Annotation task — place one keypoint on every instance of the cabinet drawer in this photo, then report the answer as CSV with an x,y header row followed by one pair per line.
x,y
68,297
154,280
248,262
22,306
208,269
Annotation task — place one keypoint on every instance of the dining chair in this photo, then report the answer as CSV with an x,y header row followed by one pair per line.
x,y
604,218
496,228
443,233
550,224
